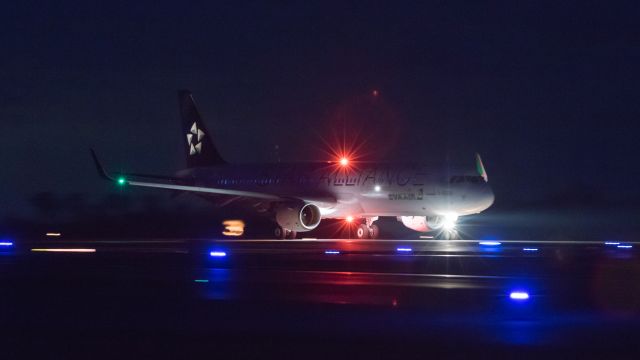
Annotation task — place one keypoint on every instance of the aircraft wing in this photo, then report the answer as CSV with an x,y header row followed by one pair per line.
x,y
174,183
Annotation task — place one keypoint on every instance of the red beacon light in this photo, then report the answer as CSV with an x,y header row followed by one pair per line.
x,y
344,161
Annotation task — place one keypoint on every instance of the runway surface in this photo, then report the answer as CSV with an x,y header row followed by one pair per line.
x,y
319,298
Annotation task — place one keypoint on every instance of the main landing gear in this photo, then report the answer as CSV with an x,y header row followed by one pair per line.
x,y
368,230
282,233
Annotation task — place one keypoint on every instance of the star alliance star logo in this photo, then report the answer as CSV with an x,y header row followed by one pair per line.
x,y
194,139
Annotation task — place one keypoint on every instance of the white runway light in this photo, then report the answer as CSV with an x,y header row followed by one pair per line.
x,y
490,243
519,295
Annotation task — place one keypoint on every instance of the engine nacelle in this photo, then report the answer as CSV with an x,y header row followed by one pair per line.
x,y
298,216
422,223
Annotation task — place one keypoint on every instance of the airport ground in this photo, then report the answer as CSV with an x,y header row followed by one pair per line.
x,y
185,298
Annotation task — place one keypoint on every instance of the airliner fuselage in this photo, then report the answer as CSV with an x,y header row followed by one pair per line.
x,y
299,196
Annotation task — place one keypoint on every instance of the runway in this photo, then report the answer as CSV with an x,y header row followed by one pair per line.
x,y
269,295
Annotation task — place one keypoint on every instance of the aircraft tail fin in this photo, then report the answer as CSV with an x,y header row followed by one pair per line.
x,y
200,149
480,168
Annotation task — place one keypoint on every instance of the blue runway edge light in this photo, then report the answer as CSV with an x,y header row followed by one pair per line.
x,y
611,243
332,252
519,295
625,246
404,249
530,249
6,243
490,243
218,254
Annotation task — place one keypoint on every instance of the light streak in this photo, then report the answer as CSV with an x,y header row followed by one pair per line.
x,y
64,250
233,227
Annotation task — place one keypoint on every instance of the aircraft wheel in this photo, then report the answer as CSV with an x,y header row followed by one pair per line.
x,y
374,231
279,232
291,234
362,232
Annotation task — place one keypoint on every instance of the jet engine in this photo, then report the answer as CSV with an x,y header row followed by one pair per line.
x,y
422,223
298,216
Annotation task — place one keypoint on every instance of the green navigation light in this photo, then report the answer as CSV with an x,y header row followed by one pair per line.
x,y
122,181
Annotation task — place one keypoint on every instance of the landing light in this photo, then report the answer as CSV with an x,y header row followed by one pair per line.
x,y
377,188
449,222
519,295
349,218
218,254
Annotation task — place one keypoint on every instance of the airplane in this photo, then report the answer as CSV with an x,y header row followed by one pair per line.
x,y
298,196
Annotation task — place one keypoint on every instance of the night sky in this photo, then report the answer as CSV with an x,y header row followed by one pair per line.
x,y
547,93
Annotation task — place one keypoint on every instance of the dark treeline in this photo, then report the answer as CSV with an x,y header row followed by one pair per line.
x,y
118,215
578,213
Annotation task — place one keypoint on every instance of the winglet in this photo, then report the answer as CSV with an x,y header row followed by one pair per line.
x,y
480,168
101,171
